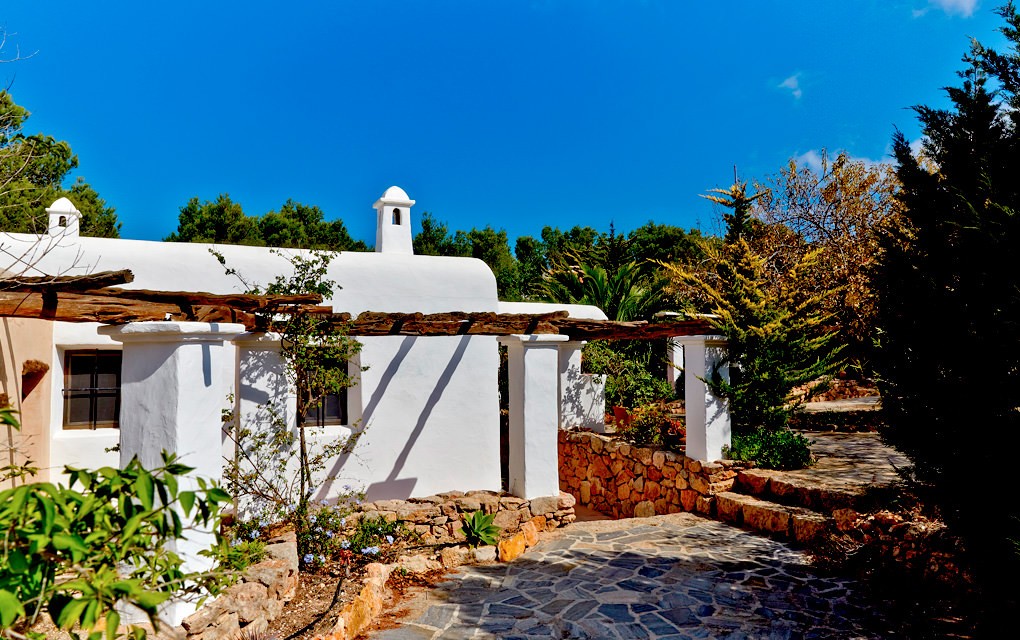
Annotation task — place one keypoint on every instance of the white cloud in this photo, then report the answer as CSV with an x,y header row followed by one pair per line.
x,y
812,159
793,84
965,8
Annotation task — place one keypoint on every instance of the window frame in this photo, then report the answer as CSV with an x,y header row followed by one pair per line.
x,y
343,400
94,391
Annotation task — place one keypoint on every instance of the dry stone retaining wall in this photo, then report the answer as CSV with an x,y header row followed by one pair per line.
x,y
623,480
438,519
255,601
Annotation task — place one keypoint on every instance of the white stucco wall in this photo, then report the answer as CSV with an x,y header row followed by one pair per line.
x,y
429,406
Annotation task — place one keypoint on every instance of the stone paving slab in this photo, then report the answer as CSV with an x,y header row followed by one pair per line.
x,y
668,577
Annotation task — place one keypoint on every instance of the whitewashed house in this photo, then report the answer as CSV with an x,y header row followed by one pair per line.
x,y
428,405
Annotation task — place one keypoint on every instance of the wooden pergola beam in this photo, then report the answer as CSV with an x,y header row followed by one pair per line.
x,y
74,307
31,284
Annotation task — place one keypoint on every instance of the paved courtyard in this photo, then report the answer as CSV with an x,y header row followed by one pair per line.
x,y
676,576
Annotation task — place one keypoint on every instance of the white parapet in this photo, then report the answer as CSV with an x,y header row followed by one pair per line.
x,y
175,381
708,415
533,367
582,396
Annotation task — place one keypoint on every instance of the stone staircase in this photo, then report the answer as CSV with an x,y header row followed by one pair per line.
x,y
783,505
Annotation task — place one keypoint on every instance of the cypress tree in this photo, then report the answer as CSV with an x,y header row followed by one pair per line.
x,y
949,305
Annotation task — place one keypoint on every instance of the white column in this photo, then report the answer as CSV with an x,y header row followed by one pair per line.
x,y
534,414
176,378
675,367
582,396
708,415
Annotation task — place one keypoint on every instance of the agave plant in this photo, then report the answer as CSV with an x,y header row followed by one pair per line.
x,y
479,530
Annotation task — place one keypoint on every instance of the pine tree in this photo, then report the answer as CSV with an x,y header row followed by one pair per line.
x,y
776,338
949,304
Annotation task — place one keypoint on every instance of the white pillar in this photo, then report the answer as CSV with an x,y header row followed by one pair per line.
x,y
175,381
675,366
708,415
582,396
534,414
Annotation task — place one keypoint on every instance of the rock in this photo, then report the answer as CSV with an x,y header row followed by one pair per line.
x,y
285,552
542,523
644,509
485,554
417,564
511,548
468,505
544,505
226,626
585,492
250,600
453,557
507,520
530,532
566,501
658,459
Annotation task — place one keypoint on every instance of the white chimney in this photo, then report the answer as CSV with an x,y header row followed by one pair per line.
x,y
393,222
65,219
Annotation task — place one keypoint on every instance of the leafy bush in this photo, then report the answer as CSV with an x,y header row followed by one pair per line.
x,y
631,375
654,424
75,553
479,530
240,554
772,449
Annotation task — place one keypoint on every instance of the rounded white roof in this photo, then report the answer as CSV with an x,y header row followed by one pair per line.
x,y
385,282
395,193
62,205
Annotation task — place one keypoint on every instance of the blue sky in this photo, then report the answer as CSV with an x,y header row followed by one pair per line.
x,y
511,113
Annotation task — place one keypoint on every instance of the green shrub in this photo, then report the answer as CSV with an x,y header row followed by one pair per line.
x,y
75,553
772,449
632,377
240,554
479,530
653,424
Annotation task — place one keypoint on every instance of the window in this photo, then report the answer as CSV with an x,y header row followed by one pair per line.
x,y
332,409
396,217
91,389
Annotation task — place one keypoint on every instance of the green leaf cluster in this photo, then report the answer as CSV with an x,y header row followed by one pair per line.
x,y
479,530
295,225
76,552
33,170
777,338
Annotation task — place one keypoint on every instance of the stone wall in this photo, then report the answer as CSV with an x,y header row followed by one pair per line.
x,y
622,480
255,601
438,519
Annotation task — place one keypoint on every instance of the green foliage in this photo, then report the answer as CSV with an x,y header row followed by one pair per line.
x,y
654,424
74,553
771,449
634,372
949,302
33,169
777,338
240,554
630,292
479,530
295,225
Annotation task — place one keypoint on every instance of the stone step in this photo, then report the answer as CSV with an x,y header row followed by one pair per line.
x,y
780,487
781,521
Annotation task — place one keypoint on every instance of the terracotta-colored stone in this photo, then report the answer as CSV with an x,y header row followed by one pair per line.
x,y
585,496
768,517
652,490
623,491
729,507
511,548
687,498
705,505
653,473
530,533
541,523
808,526
754,481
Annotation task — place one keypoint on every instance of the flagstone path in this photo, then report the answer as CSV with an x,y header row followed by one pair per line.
x,y
676,576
